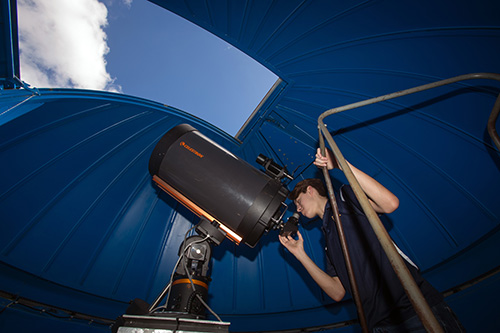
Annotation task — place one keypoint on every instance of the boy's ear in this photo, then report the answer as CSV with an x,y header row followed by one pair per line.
x,y
309,190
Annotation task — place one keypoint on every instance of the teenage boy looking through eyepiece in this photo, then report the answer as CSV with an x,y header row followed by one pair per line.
x,y
385,303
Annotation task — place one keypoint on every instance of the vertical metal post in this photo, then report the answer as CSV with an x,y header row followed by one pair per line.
x,y
492,121
343,243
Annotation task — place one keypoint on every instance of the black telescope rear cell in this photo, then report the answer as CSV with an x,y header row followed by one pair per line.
x,y
238,195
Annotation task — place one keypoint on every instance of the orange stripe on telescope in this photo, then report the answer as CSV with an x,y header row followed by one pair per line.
x,y
186,281
194,207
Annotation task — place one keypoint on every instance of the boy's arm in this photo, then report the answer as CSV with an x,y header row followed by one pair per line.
x,y
381,199
330,285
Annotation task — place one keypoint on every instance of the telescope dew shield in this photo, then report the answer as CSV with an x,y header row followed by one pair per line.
x,y
242,198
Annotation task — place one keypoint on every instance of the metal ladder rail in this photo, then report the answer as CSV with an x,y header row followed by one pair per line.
x,y
343,244
414,294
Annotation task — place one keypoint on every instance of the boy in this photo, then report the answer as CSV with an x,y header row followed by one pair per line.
x,y
384,301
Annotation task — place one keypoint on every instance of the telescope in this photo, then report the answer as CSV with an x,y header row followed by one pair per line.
x,y
233,200
216,184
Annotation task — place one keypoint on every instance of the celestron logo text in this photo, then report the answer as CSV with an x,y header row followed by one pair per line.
x,y
194,151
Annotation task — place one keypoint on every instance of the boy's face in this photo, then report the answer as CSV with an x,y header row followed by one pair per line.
x,y
305,203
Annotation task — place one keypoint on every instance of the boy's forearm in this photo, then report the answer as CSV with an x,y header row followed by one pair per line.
x,y
330,285
383,200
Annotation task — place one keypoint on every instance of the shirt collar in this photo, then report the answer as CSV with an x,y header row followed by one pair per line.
x,y
326,215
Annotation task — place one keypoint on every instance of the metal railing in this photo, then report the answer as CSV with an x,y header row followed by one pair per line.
x,y
412,290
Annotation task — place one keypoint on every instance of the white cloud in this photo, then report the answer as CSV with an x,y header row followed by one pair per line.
x,y
62,44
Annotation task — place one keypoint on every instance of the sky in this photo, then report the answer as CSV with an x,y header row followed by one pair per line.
x,y
136,48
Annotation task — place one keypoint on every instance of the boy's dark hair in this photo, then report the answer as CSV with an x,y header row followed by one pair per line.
x,y
301,187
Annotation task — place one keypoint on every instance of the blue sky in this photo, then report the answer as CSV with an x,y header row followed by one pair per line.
x,y
140,49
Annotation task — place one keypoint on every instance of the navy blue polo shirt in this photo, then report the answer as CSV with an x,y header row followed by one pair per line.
x,y
382,295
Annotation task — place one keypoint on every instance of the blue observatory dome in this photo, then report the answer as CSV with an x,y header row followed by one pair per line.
x,y
84,229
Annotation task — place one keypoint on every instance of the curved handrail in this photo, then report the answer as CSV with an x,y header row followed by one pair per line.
x,y
414,294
